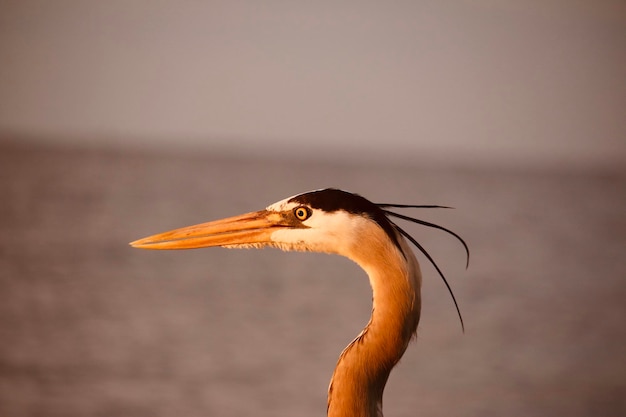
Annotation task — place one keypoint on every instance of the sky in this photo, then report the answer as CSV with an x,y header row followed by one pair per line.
x,y
485,81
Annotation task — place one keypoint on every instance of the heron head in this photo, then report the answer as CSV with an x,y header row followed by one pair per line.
x,y
329,220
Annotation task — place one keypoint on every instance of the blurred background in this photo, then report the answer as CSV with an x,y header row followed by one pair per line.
x,y
123,119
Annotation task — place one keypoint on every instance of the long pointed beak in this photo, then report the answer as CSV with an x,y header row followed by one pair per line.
x,y
246,229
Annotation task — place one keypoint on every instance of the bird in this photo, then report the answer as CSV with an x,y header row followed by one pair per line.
x,y
339,222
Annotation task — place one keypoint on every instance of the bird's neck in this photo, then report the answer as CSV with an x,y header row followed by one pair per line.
x,y
356,388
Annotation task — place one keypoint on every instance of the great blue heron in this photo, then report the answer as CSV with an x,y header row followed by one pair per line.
x,y
339,222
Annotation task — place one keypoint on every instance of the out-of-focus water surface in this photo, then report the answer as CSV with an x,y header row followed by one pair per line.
x,y
92,327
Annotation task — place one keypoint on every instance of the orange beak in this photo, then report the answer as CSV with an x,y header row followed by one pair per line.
x,y
245,229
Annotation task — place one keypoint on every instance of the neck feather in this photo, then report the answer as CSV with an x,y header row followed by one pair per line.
x,y
356,388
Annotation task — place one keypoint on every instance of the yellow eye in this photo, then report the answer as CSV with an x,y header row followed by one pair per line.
x,y
302,213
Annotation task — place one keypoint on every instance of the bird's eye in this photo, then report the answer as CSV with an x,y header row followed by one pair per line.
x,y
302,213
